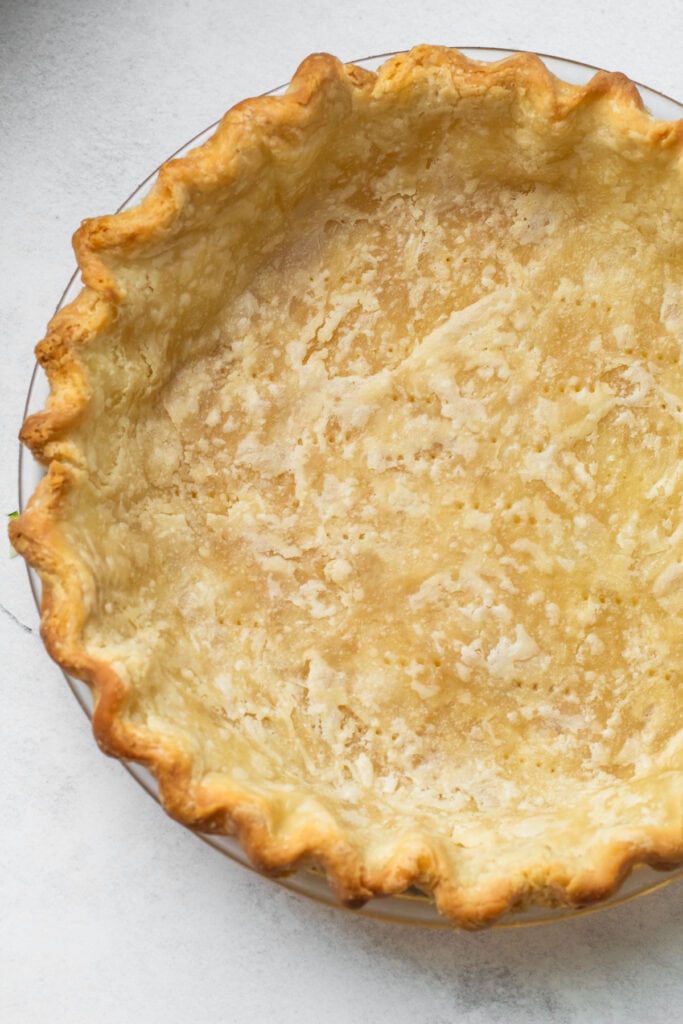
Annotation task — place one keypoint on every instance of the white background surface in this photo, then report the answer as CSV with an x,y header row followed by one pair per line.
x,y
109,911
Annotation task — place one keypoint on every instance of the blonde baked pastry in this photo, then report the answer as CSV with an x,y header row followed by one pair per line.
x,y
362,513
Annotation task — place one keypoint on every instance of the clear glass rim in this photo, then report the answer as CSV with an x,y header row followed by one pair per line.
x,y
300,882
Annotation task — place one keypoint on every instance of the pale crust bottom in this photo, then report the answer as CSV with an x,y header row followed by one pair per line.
x,y
363,479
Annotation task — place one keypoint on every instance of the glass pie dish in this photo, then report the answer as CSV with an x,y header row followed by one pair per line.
x,y
412,906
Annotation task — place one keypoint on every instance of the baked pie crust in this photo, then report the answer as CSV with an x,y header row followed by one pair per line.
x,y
362,512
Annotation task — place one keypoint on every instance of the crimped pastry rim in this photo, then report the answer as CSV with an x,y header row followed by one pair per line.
x,y
332,854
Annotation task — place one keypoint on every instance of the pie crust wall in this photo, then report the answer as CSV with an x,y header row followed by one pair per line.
x,y
363,491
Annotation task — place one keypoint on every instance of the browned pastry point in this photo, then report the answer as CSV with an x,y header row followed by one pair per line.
x,y
362,513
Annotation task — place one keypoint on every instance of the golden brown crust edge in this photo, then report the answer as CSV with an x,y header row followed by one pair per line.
x,y
227,807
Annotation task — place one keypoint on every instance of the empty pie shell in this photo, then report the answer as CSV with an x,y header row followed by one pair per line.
x,y
362,512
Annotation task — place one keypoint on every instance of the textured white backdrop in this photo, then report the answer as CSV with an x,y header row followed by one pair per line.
x,y
108,910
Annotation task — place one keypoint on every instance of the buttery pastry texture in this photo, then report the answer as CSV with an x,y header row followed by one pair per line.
x,y
362,513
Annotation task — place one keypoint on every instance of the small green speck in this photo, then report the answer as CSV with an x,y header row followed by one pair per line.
x,y
12,550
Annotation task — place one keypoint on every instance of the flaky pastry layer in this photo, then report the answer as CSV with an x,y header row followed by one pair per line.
x,y
362,505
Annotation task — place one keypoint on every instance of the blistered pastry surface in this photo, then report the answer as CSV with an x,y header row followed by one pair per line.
x,y
382,507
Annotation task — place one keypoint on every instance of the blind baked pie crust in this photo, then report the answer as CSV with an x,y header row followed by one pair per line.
x,y
362,512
